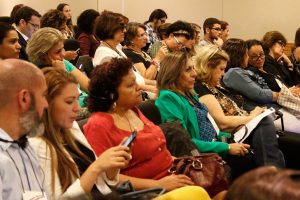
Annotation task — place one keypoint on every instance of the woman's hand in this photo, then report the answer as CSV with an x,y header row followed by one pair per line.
x,y
286,60
295,91
174,181
257,111
59,64
162,52
238,149
113,158
70,55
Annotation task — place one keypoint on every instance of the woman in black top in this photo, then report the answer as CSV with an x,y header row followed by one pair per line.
x,y
276,62
135,40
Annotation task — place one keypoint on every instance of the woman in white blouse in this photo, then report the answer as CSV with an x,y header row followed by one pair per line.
x,y
110,28
71,169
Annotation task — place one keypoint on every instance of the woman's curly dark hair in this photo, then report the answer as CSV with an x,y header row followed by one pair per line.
x,y
104,82
86,20
54,19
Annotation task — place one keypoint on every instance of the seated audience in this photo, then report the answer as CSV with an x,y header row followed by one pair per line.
x,y
87,40
254,83
56,19
211,63
9,45
110,28
66,10
114,95
135,40
177,101
266,183
27,21
157,18
71,169
212,32
276,62
22,103
46,48
179,33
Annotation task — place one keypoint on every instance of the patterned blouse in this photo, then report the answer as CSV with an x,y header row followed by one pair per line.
x,y
230,108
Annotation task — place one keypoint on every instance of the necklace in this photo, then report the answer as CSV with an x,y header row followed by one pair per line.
x,y
113,48
122,117
145,56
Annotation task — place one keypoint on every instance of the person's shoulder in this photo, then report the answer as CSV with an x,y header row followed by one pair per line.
x,y
167,93
38,144
100,119
201,89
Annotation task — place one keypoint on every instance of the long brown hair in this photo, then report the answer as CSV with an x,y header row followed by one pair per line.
x,y
61,163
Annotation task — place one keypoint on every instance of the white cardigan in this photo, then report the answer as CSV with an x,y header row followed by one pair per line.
x,y
75,191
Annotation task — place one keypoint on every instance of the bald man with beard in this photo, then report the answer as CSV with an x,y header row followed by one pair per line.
x,y
22,103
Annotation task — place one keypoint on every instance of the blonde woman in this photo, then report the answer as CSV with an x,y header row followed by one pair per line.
x,y
210,64
46,48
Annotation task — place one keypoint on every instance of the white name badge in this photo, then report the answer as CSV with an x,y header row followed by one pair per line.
x,y
33,195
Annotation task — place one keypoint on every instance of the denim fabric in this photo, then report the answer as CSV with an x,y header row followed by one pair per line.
x,y
264,142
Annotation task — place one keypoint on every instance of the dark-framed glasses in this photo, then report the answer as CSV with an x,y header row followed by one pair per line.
x,y
35,26
257,57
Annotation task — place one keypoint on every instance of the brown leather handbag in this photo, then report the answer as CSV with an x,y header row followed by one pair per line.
x,y
205,170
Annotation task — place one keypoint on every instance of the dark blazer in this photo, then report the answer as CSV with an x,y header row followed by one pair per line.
x,y
23,43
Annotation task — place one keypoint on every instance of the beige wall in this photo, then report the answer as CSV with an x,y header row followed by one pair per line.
x,y
247,18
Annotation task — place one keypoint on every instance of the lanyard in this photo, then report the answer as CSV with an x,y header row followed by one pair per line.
x,y
25,170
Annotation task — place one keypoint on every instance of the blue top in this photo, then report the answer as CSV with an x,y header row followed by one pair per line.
x,y
12,159
248,84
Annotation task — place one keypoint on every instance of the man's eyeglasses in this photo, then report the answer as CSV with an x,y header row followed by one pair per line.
x,y
217,29
180,45
35,26
256,58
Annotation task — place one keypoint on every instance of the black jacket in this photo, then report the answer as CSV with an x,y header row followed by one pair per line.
x,y
23,43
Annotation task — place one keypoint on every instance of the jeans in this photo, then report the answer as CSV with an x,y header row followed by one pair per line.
x,y
263,141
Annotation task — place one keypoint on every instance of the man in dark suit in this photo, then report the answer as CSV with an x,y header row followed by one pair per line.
x,y
27,21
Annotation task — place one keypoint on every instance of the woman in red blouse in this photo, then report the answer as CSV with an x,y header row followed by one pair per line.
x,y
113,95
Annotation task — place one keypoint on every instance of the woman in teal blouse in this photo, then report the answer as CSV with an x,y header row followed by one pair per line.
x,y
177,101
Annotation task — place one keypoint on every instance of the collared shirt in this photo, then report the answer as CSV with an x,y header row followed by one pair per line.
x,y
19,170
23,35
151,35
